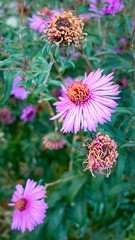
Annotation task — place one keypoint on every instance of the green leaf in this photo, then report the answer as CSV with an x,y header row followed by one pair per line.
x,y
122,187
128,23
54,82
79,208
75,187
83,9
121,165
131,70
8,80
129,144
126,110
111,64
113,39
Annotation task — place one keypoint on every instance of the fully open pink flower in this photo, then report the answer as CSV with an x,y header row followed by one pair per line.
x,y
87,103
29,204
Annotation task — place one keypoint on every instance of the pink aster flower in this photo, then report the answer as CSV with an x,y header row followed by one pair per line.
x,y
87,103
37,23
30,208
28,113
40,23
18,91
112,7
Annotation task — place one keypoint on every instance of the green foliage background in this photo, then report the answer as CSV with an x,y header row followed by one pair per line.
x,y
80,206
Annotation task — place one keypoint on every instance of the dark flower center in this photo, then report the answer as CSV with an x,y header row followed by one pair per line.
x,y
30,114
78,92
21,204
63,22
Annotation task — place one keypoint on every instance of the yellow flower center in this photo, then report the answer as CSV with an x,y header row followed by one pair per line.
x,y
78,93
21,204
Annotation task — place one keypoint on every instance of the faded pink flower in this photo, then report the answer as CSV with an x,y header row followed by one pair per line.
x,y
6,116
87,103
30,208
53,141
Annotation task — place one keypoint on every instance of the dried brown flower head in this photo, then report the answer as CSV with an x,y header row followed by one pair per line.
x,y
102,155
53,141
65,29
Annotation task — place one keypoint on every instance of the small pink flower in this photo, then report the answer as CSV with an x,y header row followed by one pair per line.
x,y
124,82
87,103
18,91
28,113
118,50
30,208
123,41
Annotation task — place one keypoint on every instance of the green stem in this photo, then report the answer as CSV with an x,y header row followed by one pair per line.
x,y
62,180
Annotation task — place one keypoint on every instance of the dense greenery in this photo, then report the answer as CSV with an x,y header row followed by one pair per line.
x,y
80,206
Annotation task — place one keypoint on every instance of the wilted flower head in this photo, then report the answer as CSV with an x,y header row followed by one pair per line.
x,y
18,91
86,103
28,113
102,155
6,116
30,207
65,29
53,141
112,6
